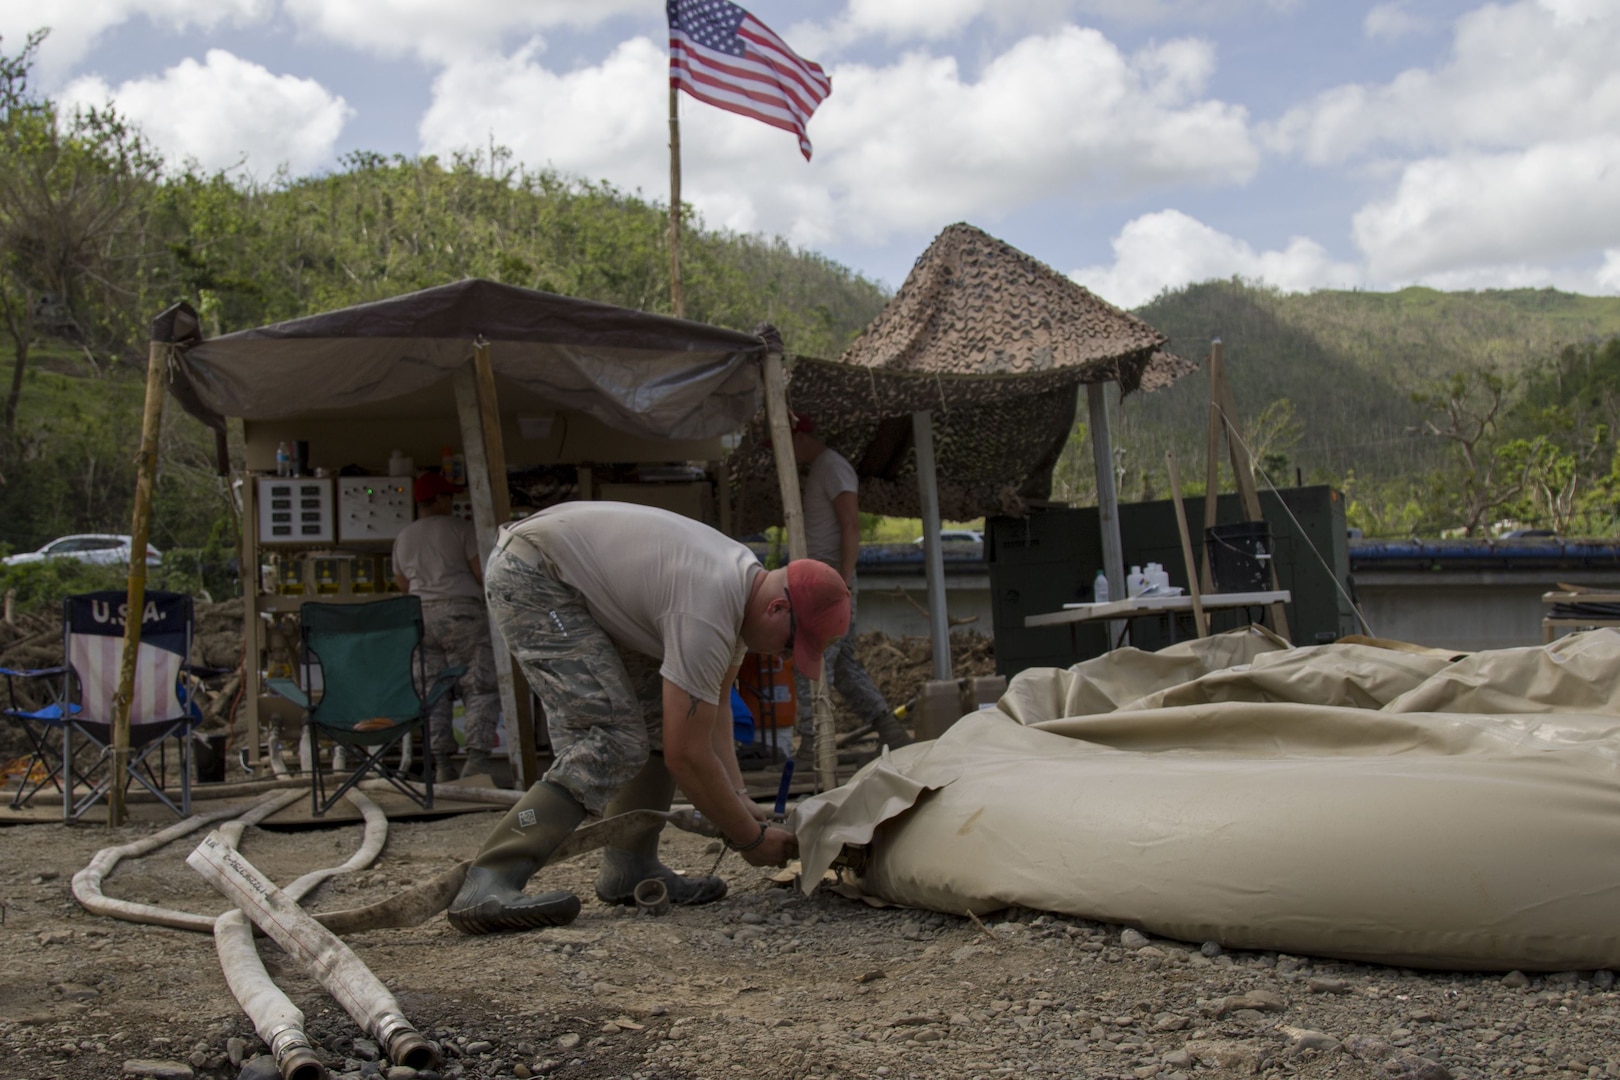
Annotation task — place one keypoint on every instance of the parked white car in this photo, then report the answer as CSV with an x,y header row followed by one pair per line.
x,y
101,549
956,536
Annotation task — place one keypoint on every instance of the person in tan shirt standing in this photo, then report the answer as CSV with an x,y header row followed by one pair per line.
x,y
436,559
832,534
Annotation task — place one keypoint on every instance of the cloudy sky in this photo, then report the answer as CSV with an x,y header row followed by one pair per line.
x,y
1135,144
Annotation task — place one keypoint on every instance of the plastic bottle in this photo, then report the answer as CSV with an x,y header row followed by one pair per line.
x,y
1134,581
283,460
399,464
1161,577
1099,589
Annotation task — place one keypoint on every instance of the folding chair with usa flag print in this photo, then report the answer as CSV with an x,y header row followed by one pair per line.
x,y
160,708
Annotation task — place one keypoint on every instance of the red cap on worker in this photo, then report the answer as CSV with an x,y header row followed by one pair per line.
x,y
430,486
797,422
820,602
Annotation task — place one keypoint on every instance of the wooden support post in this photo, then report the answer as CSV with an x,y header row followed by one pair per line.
x,y
157,362
787,469
1212,457
478,411
1243,476
1200,623
787,476
253,636
1102,457
939,632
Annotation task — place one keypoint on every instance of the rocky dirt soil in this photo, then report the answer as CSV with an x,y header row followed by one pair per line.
x,y
766,983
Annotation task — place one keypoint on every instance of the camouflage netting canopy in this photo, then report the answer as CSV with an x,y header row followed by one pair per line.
x,y
996,345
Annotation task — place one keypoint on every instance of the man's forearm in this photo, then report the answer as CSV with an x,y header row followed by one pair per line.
x,y
715,795
690,740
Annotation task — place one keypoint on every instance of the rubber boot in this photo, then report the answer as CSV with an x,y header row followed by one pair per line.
x,y
477,763
492,897
890,732
625,867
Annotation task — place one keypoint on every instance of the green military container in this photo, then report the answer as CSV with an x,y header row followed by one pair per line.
x,y
1051,557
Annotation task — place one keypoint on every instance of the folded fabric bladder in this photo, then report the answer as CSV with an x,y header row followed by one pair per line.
x,y
1343,800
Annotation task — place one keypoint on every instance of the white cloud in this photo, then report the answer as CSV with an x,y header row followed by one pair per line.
x,y
1169,249
910,19
1151,12
76,24
901,148
439,32
224,110
1519,73
1390,22
900,21
606,121
895,21
915,144
1555,201
1608,275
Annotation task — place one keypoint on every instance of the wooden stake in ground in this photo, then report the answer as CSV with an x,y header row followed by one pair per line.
x,y
1200,624
157,361
1223,419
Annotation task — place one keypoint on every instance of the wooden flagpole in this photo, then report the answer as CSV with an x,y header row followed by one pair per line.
x,y
677,292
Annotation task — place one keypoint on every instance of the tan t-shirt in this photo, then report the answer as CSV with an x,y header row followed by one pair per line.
x,y
830,476
660,584
435,554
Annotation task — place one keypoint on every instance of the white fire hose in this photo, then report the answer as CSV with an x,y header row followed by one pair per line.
x,y
277,1020
327,958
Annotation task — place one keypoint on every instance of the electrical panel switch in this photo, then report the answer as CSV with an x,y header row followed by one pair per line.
x,y
296,510
373,507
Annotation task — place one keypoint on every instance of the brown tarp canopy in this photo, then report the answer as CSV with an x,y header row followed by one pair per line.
x,y
992,342
636,372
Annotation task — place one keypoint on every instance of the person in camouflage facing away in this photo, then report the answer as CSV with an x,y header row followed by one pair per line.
x,y
436,559
630,623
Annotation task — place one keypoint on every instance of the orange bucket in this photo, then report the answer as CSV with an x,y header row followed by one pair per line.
x,y
766,686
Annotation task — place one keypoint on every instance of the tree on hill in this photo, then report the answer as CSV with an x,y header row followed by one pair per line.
x,y
74,202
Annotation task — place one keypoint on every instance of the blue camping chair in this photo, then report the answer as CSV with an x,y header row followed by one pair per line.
x,y
81,706
375,691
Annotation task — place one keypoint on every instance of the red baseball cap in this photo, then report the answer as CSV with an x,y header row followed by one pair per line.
x,y
430,486
797,422
820,601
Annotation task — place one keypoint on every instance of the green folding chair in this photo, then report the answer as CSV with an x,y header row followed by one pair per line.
x,y
375,692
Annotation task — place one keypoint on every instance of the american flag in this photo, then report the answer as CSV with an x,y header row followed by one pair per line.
x,y
724,56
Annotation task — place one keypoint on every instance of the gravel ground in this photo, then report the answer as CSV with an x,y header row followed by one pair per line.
x,y
766,983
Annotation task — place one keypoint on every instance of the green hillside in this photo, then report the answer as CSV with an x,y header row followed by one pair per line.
x,y
1325,381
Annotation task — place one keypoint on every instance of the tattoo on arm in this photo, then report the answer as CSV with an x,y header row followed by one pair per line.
x,y
691,706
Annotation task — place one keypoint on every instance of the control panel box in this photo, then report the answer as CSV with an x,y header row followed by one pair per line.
x,y
295,510
373,507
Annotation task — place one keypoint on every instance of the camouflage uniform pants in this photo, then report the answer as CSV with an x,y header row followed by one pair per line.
x,y
604,706
456,632
845,674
